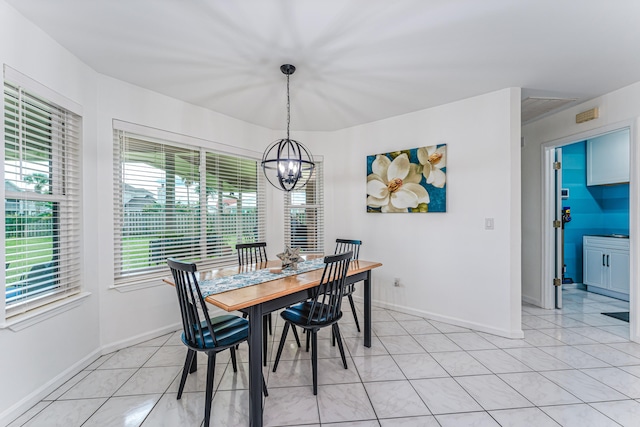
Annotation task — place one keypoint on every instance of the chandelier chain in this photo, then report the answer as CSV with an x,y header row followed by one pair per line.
x,y
288,108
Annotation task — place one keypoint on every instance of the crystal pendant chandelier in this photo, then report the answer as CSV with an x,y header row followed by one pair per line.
x,y
287,164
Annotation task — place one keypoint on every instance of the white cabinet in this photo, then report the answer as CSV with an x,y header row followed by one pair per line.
x,y
606,265
608,158
594,266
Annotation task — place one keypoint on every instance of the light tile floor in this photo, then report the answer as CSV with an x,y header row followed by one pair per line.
x,y
575,367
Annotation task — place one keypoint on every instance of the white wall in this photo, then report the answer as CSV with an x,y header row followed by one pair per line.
x,y
127,316
450,267
617,109
39,358
56,347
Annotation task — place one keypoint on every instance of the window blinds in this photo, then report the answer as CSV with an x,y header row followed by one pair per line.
x,y
42,200
183,201
304,215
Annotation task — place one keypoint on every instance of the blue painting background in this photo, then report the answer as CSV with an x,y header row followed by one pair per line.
x,y
438,196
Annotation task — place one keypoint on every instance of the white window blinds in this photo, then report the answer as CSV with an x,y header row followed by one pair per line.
x,y
183,201
42,199
304,215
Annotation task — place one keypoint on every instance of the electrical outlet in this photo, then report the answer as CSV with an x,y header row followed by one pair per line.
x,y
396,282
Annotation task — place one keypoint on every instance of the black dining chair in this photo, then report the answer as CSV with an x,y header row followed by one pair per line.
x,y
251,253
256,253
202,333
321,310
344,245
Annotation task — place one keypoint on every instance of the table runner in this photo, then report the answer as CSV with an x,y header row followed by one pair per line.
x,y
250,278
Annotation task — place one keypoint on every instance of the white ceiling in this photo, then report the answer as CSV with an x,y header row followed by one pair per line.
x,y
358,60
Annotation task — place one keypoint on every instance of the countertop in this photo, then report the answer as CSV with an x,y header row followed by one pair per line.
x,y
617,236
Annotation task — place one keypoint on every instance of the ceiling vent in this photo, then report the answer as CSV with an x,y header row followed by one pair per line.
x,y
534,108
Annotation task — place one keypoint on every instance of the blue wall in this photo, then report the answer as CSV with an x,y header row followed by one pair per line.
x,y
600,209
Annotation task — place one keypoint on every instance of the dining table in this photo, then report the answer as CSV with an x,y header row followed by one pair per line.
x,y
271,295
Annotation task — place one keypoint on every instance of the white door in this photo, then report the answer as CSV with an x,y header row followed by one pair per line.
x,y
558,230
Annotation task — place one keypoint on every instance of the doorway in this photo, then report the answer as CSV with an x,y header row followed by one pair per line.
x,y
572,209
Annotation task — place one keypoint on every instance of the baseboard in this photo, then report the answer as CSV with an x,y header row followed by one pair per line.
x,y
608,293
27,402
531,301
446,319
137,339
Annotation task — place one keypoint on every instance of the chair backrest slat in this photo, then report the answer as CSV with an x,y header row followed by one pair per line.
x,y
191,303
345,245
251,253
327,301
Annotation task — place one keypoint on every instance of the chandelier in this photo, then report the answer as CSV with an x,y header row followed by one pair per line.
x,y
287,164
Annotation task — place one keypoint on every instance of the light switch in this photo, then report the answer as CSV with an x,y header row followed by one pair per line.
x,y
488,223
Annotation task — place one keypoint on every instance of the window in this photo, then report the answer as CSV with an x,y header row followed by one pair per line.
x,y
42,196
175,199
304,215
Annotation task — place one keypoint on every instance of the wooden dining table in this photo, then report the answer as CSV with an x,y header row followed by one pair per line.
x,y
263,298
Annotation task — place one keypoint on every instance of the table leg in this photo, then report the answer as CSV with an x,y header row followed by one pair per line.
x,y
367,310
255,365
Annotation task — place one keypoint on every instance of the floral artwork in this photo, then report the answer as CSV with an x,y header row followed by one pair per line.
x,y
408,181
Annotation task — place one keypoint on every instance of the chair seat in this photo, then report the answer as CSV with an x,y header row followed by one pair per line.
x,y
299,315
229,330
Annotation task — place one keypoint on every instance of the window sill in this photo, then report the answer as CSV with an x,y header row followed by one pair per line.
x,y
23,321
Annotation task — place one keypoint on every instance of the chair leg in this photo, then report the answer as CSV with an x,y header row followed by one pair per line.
x,y
244,316
233,359
295,334
269,320
264,388
353,309
336,334
308,338
185,371
281,346
211,366
314,359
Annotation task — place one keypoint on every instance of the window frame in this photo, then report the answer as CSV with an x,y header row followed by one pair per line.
x,y
316,182
62,145
149,276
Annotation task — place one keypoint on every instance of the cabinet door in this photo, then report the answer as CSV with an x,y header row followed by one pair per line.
x,y
619,271
594,267
608,158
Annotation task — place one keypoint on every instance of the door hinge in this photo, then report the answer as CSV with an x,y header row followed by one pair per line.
x,y
557,282
557,165
557,223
